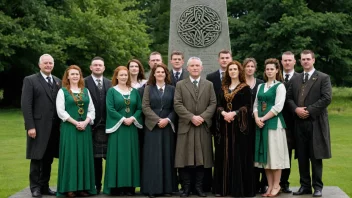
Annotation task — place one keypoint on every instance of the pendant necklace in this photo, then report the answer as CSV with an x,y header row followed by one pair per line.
x,y
127,101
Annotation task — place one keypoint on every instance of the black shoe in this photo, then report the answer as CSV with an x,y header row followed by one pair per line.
x,y
200,192
263,189
36,193
286,188
303,191
317,193
48,191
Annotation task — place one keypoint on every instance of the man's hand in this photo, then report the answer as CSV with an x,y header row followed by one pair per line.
x,y
197,120
32,133
302,112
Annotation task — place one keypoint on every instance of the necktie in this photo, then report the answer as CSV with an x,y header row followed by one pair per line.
x,y
161,91
286,77
50,83
195,83
177,75
305,77
222,75
100,87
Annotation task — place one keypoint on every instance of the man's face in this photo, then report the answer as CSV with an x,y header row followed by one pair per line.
x,y
97,67
307,62
194,68
154,60
288,62
46,65
224,59
177,62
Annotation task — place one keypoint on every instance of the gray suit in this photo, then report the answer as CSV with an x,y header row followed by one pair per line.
x,y
312,134
38,104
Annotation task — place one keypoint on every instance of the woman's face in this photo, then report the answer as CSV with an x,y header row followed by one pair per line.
x,y
271,71
233,71
73,76
250,69
159,74
134,68
122,77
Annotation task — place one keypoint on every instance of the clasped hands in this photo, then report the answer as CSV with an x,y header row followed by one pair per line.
x,y
81,125
260,122
163,122
302,112
197,120
228,116
128,121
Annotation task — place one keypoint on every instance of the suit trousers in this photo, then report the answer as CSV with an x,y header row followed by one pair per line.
x,y
39,173
305,154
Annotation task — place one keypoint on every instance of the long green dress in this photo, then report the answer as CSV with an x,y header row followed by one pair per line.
x,y
122,158
76,164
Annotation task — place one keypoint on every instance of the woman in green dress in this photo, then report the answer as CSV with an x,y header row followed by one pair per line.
x,y
271,151
124,107
75,108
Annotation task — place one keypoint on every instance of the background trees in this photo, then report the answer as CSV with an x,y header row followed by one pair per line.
x,y
74,31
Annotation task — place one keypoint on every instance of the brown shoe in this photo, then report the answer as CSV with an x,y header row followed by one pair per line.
x,y
83,194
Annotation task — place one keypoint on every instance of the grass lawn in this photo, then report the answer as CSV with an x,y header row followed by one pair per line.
x,y
14,167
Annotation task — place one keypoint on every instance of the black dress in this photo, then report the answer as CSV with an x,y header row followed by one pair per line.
x,y
234,156
159,174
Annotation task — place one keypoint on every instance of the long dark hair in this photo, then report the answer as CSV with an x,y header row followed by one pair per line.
x,y
277,66
226,81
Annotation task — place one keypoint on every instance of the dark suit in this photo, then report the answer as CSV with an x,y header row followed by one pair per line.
x,y
216,80
183,75
100,138
313,133
38,104
288,115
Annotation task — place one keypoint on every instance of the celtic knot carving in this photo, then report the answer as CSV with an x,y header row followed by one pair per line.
x,y
199,26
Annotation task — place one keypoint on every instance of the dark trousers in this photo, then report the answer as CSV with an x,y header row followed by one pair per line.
x,y
285,174
98,171
305,154
39,172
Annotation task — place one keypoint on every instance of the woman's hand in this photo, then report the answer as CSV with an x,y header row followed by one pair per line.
x,y
229,116
259,122
163,122
128,121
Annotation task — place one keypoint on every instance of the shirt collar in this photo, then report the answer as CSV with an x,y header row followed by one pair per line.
x,y
198,79
163,87
174,72
290,74
95,79
45,76
310,73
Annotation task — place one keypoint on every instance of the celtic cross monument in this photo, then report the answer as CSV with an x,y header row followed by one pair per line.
x,y
199,28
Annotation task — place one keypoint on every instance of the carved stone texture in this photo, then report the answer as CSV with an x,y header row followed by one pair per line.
x,y
199,26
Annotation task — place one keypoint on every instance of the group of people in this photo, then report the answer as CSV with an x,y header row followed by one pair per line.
x,y
159,132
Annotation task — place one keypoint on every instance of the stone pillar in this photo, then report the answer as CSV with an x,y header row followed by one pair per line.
x,y
199,28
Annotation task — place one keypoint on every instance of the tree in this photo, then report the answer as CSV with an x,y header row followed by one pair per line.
x,y
266,29
73,32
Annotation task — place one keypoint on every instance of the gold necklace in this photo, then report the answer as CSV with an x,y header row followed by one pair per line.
x,y
127,101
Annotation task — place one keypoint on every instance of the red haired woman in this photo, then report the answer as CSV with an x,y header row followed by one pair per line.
x,y
75,108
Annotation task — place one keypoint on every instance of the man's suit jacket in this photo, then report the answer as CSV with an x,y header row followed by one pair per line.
x,y
216,80
38,104
288,115
183,75
317,96
90,84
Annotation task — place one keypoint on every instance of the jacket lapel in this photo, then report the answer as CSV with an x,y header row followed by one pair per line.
x,y
308,85
45,86
201,87
107,85
189,85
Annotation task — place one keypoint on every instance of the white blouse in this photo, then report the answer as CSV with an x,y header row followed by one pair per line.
x,y
279,99
62,113
139,84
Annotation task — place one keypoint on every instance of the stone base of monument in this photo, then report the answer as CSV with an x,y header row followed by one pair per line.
x,y
328,192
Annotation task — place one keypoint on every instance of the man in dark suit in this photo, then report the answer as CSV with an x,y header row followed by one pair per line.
x,y
224,58
288,62
38,104
309,95
98,86
177,73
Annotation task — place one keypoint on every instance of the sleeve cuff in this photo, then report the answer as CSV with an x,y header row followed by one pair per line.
x,y
136,123
116,126
274,111
172,125
91,122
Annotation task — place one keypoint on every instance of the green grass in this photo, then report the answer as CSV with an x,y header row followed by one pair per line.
x,y
14,167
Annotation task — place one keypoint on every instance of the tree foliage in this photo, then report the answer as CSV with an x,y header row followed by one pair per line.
x,y
264,29
72,31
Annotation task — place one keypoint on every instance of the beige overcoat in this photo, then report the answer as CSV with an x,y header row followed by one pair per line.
x,y
194,143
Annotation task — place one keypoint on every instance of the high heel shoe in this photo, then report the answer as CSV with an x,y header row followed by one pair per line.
x,y
275,195
70,194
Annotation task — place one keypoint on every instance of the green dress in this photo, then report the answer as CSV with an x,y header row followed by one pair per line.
x,y
122,158
76,164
